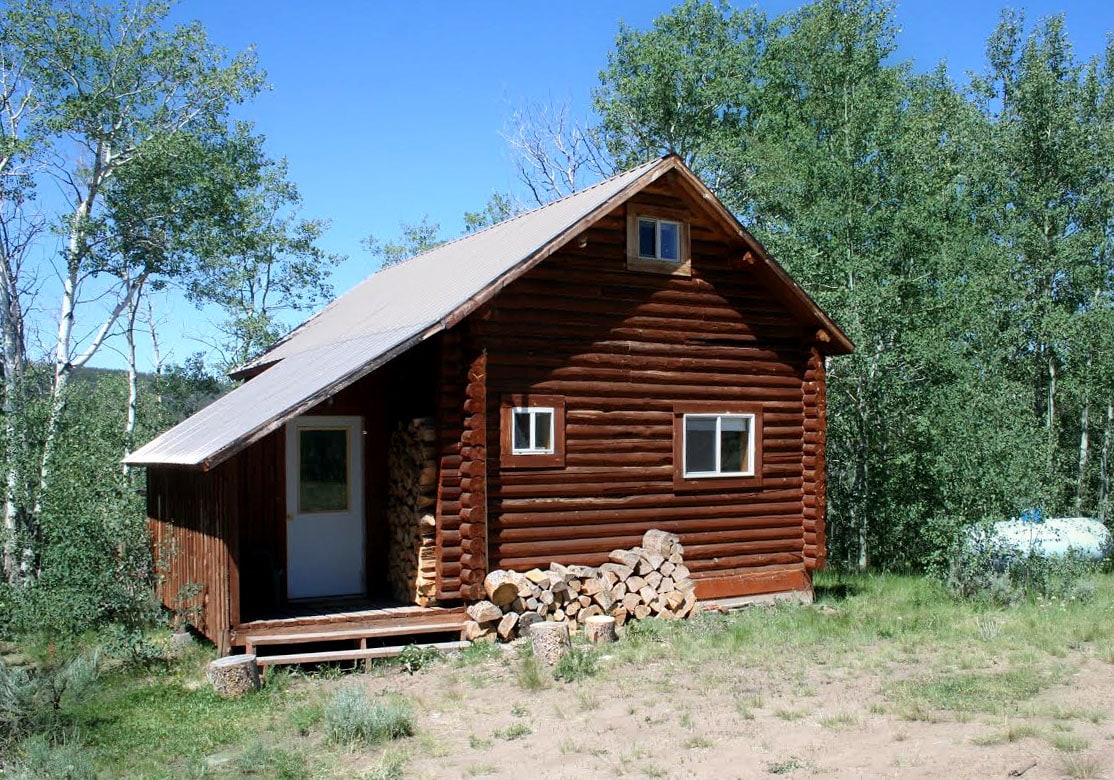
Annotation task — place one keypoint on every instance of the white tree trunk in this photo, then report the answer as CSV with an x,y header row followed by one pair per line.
x,y
1084,453
1104,464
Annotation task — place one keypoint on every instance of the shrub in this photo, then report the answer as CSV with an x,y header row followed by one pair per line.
x,y
31,699
45,760
351,718
577,664
985,570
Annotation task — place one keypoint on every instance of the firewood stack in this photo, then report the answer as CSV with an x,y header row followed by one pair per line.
x,y
412,468
647,581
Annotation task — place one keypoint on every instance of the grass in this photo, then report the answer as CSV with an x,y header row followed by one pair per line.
x,y
841,721
1068,743
1082,767
967,692
948,660
1013,732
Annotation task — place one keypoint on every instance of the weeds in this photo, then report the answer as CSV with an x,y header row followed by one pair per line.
x,y
786,766
413,658
577,664
531,674
513,731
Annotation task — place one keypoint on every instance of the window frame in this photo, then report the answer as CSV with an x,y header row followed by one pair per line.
x,y
532,412
717,480
682,266
512,403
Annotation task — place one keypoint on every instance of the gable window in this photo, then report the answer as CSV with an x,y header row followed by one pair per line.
x,y
658,240
717,445
531,431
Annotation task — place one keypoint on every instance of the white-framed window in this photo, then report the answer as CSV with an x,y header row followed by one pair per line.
x,y
659,239
532,430
718,445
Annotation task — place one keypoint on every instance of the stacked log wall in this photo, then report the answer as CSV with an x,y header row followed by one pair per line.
x,y
622,347
450,424
473,480
815,441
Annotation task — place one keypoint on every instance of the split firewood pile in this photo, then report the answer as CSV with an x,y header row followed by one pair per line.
x,y
412,469
647,581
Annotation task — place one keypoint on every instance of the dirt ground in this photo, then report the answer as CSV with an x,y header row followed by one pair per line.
x,y
657,720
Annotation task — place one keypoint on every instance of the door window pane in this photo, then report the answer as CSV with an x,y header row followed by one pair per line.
x,y
323,470
700,445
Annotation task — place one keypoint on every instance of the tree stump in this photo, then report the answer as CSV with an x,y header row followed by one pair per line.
x,y
234,675
550,641
600,628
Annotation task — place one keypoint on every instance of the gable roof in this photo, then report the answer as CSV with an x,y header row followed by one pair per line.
x,y
398,307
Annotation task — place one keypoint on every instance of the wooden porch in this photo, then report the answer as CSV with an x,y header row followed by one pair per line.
x,y
345,630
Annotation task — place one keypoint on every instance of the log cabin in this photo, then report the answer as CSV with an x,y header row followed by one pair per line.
x,y
544,390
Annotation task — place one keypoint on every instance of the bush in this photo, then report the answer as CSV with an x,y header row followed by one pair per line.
x,y
351,718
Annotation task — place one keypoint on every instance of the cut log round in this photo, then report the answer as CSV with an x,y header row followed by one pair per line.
x,y
550,641
600,628
234,675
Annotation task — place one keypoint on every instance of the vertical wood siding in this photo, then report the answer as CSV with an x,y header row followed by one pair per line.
x,y
622,347
190,514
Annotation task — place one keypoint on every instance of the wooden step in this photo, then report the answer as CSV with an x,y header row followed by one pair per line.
x,y
351,655
340,634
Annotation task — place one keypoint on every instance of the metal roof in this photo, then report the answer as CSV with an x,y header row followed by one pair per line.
x,y
385,314
394,309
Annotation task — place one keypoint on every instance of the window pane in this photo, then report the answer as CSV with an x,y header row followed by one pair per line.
x,y
700,444
323,465
647,229
670,241
521,431
733,443
543,431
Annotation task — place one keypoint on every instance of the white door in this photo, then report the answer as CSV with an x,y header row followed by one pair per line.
x,y
324,507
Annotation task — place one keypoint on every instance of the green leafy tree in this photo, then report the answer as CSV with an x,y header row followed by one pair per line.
x,y
416,238
268,265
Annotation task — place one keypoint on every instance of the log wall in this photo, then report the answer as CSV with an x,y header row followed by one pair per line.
x,y
815,480
450,428
473,480
622,347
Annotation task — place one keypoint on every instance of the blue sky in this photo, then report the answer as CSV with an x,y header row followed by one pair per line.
x,y
387,111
